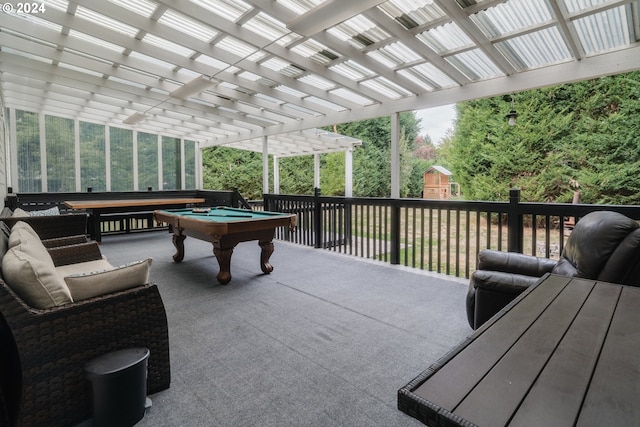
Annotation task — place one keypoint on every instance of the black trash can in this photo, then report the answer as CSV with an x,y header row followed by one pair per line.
x,y
119,385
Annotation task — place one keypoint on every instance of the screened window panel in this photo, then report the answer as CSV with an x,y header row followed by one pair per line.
x,y
190,165
60,149
121,150
28,152
93,161
171,161
147,161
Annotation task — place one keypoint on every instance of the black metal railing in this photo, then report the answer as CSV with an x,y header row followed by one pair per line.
x,y
436,235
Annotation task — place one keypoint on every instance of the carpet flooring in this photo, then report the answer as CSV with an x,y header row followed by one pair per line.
x,y
325,340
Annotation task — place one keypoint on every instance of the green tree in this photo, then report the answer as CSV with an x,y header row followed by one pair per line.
x,y
225,168
575,135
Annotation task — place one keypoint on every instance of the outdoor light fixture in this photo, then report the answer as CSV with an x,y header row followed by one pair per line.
x,y
134,118
193,87
512,116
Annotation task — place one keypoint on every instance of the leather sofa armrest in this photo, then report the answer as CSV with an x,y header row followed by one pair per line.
x,y
489,291
499,281
513,262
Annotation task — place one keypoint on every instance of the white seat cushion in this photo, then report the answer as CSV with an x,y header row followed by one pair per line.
x,y
24,227
28,269
97,283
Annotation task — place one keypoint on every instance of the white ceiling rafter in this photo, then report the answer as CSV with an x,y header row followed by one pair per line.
x,y
103,60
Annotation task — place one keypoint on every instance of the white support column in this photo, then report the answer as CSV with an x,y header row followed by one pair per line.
x,y
348,173
183,175
198,160
160,165
265,164
136,181
107,156
395,156
316,171
276,175
43,152
76,155
12,160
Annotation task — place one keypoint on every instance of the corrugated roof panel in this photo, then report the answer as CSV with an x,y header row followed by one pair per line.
x,y
300,6
212,62
151,60
230,10
574,6
325,103
96,41
80,69
352,70
268,27
316,51
187,25
141,7
106,22
167,45
394,55
236,47
282,66
301,109
58,4
38,21
432,75
386,87
352,96
536,49
317,81
475,65
359,31
417,78
411,13
604,30
445,38
291,91
512,16
27,55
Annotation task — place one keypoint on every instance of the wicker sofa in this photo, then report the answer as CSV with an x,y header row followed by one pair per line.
x,y
43,350
47,226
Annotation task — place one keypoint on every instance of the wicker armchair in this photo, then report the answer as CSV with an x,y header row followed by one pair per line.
x,y
43,352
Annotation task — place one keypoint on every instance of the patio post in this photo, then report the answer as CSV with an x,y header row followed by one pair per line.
x,y
317,218
394,241
514,222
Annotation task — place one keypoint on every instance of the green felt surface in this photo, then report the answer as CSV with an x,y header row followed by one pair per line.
x,y
221,214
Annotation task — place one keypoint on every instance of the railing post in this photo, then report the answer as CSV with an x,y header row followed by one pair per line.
x,y
394,257
266,202
317,218
515,223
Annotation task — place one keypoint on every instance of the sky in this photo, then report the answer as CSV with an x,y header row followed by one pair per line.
x,y
436,121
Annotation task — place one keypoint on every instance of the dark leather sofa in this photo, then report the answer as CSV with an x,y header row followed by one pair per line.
x,y
604,245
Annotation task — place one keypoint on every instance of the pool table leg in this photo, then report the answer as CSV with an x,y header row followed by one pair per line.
x,y
178,242
223,255
265,254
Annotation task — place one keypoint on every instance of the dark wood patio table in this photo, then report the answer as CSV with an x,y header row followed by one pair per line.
x,y
566,352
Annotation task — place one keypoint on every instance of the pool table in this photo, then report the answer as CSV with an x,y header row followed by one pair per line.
x,y
225,227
